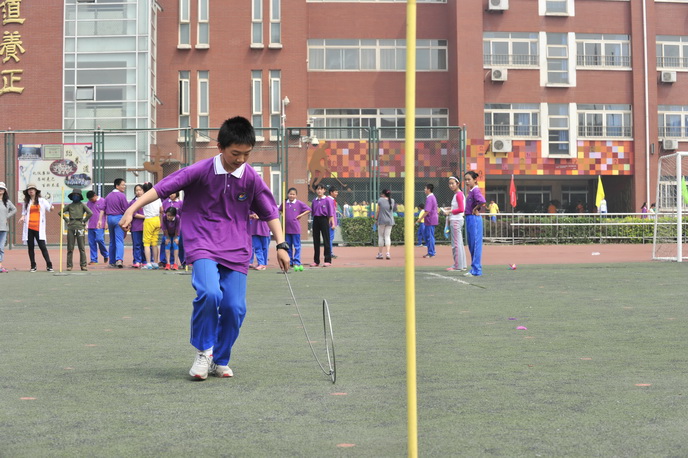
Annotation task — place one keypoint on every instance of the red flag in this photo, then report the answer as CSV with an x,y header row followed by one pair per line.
x,y
512,193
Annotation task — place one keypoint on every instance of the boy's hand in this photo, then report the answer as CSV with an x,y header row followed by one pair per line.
x,y
283,260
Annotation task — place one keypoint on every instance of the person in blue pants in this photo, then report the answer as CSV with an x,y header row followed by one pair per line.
x,y
431,219
474,223
116,204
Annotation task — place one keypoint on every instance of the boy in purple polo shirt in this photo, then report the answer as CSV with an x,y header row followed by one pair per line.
x,y
431,219
293,214
260,241
116,204
323,220
96,237
220,193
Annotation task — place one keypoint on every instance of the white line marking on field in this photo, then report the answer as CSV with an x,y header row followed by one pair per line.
x,y
458,280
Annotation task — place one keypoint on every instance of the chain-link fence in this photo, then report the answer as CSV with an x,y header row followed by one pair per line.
x,y
359,162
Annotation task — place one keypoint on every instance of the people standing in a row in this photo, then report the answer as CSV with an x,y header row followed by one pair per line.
x,y
137,231
7,210
384,218
323,220
75,216
456,220
116,204
474,223
34,222
96,233
293,210
431,219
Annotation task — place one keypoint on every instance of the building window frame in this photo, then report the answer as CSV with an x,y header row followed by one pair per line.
x,y
275,101
603,51
604,121
355,123
678,59
510,49
517,120
342,55
672,121
556,8
257,24
257,102
560,137
184,24
275,24
184,99
203,105
203,29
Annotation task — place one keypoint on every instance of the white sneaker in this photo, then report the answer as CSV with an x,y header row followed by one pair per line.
x,y
201,366
220,371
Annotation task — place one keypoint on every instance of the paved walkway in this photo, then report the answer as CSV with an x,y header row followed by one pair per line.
x,y
17,258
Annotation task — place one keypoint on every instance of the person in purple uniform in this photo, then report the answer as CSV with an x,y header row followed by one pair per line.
x,y
295,210
170,226
137,232
323,220
173,201
474,223
116,204
220,193
431,219
96,237
260,241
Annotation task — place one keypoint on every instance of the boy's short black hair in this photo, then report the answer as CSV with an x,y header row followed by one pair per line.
x,y
236,131
332,189
430,187
171,211
321,186
90,194
118,181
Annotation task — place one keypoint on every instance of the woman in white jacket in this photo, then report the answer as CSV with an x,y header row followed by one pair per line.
x,y
7,209
33,218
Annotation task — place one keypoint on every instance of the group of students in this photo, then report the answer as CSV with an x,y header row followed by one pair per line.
x,y
464,211
156,219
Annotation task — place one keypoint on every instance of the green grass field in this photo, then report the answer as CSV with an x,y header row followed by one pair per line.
x,y
96,365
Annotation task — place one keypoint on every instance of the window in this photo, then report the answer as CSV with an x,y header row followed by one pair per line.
x,y
557,59
275,98
604,121
558,129
571,195
355,123
257,98
275,23
673,121
534,199
184,96
512,120
203,39
556,7
203,102
595,50
374,55
85,93
184,23
513,49
672,51
257,24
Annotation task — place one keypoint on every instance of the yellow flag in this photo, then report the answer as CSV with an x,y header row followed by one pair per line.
x,y
600,192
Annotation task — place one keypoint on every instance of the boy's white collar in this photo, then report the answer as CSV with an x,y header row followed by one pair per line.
x,y
220,170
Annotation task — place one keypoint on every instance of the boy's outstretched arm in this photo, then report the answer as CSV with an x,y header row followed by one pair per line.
x,y
282,255
150,196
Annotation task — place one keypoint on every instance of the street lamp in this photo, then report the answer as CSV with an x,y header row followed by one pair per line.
x,y
285,102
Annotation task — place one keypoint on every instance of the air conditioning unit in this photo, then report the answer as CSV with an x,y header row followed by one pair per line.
x,y
501,145
669,144
668,77
498,74
497,5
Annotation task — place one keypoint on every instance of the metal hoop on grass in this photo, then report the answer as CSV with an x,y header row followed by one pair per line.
x,y
331,370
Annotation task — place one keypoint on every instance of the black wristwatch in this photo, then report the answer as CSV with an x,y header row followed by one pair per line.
x,y
282,246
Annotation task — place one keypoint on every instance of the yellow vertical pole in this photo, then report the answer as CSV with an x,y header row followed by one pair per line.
x,y
409,228
62,227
